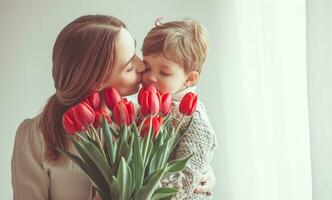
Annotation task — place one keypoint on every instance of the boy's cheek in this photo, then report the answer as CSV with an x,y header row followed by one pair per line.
x,y
165,88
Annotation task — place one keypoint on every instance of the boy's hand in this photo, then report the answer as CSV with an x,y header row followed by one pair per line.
x,y
206,184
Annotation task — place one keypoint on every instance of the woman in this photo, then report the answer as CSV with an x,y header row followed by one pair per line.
x,y
90,54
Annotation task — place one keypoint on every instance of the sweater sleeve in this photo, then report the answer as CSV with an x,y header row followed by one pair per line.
x,y
29,179
200,141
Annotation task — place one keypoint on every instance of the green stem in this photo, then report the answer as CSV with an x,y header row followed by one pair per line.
x,y
88,133
148,141
179,125
141,125
99,140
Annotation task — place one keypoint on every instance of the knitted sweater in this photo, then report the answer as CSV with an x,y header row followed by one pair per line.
x,y
199,140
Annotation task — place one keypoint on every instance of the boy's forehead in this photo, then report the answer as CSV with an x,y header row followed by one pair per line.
x,y
162,62
161,58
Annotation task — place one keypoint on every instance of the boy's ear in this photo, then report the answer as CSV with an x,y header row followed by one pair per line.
x,y
192,78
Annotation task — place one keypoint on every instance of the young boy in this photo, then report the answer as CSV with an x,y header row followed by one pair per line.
x,y
174,54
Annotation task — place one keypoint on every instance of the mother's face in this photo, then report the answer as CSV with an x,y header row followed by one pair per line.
x,y
126,73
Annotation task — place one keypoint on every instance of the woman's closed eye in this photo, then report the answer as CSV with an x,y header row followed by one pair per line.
x,y
132,63
129,68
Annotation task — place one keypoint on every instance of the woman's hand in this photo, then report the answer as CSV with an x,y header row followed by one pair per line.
x,y
206,184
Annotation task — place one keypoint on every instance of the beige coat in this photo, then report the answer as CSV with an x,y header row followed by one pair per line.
x,y
33,178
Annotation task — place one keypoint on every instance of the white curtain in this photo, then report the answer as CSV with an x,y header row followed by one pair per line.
x,y
264,123
319,35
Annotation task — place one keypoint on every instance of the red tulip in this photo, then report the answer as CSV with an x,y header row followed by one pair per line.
x,y
149,101
112,97
77,118
188,104
124,112
130,109
98,117
84,114
156,124
149,88
93,100
165,104
68,121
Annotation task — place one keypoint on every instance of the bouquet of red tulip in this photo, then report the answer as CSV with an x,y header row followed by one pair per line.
x,y
128,162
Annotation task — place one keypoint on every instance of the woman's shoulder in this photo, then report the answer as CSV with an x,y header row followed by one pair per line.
x,y
28,133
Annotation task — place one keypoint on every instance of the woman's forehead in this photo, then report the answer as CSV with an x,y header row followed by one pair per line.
x,y
125,47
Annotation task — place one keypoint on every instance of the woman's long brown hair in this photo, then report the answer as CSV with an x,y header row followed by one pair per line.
x,y
83,56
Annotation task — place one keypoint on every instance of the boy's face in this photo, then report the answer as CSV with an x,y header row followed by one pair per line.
x,y
164,74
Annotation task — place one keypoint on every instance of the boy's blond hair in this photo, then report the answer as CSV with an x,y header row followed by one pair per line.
x,y
184,42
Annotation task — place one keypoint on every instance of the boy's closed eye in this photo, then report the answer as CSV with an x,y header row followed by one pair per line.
x,y
165,73
165,70
147,69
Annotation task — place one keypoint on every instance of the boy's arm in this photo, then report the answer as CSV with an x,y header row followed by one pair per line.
x,y
200,141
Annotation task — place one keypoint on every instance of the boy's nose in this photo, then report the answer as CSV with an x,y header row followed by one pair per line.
x,y
152,78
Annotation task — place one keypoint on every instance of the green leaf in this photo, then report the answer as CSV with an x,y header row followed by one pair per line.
x,y
124,179
166,198
158,158
96,156
134,128
77,160
122,151
160,139
137,162
179,135
152,182
109,142
168,120
92,170
115,188
114,132
178,165
130,144
151,146
162,193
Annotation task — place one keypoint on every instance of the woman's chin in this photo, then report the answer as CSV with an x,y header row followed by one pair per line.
x,y
136,89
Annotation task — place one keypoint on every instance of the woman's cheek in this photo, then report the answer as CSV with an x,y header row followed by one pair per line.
x,y
133,78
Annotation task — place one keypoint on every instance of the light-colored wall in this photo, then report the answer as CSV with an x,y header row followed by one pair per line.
x,y
28,31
